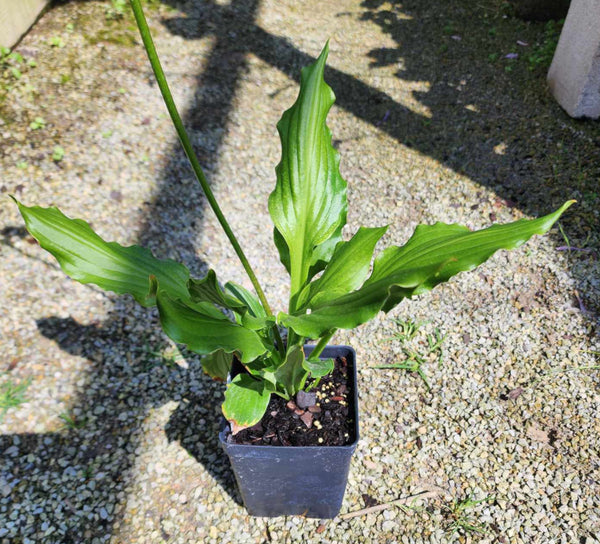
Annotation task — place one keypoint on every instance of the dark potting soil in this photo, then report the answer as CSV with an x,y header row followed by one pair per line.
x,y
329,422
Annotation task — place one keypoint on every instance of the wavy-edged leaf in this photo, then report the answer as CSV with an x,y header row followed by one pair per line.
x,y
208,289
246,401
431,256
87,258
345,312
448,250
217,364
204,329
347,269
308,205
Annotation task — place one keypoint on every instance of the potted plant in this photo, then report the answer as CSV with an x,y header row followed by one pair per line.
x,y
332,285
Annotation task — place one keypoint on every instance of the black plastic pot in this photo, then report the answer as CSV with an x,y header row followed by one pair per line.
x,y
292,480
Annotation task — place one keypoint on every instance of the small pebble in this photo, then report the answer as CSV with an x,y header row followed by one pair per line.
x,y
305,400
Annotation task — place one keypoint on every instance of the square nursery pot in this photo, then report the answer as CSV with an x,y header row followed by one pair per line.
x,y
296,480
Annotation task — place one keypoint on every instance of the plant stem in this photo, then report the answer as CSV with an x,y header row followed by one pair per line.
x,y
321,344
189,151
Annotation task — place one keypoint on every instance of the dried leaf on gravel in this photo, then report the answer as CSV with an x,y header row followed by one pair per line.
x,y
515,393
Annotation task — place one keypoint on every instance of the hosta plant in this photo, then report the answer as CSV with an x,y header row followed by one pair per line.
x,y
334,283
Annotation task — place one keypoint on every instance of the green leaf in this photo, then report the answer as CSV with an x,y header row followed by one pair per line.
x,y
347,270
265,368
282,247
322,253
346,312
246,298
308,205
448,250
246,401
432,255
58,153
319,367
87,258
291,374
250,312
204,329
208,290
217,364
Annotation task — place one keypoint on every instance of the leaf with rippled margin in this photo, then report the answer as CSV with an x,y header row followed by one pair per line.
x,y
208,289
308,205
204,329
431,256
87,258
347,269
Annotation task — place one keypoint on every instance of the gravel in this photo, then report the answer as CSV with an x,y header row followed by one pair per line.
x,y
117,441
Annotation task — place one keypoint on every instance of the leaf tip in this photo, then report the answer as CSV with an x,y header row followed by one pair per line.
x,y
236,427
323,55
562,209
19,204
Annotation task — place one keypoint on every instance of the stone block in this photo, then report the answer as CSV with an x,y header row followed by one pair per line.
x,y
574,76
16,17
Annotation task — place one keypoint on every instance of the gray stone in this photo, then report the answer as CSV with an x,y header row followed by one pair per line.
x,y
574,76
304,399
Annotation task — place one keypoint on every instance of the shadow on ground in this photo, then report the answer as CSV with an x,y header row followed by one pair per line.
x,y
127,376
77,474
500,130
